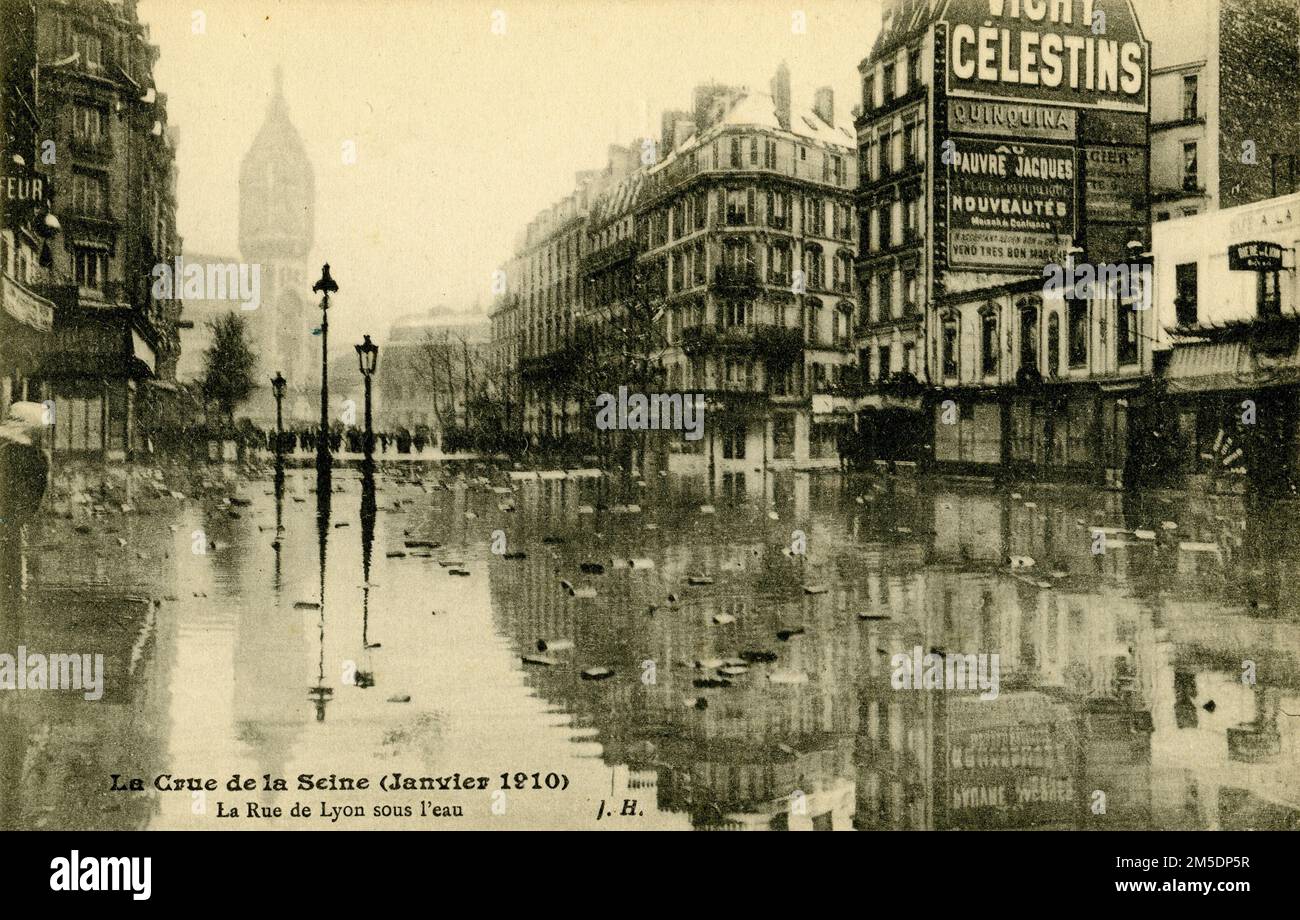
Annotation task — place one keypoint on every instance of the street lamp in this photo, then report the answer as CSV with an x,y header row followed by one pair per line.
x,y
277,387
325,287
368,359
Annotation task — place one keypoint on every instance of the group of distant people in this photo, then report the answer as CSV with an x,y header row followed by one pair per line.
x,y
352,440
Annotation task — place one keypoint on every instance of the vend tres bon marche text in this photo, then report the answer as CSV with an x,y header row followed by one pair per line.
x,y
1082,52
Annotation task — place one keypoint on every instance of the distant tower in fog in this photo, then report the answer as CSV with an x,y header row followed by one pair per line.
x,y
277,210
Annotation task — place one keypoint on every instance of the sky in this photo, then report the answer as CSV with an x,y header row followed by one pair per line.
x,y
461,135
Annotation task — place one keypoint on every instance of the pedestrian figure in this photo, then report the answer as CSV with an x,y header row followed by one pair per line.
x,y
24,474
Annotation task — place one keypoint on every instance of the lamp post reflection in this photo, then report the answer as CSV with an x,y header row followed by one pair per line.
x,y
321,694
365,675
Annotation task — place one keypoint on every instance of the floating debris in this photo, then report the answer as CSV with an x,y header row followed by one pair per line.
x,y
733,670
703,682
451,563
592,568
785,635
545,661
788,676
697,580
400,698
583,591
586,509
554,645
395,554
1144,534
641,563
1021,562
758,656
707,509
864,615
422,544
516,554
460,572
550,540
708,664
1168,525
815,589
304,605
598,673
723,619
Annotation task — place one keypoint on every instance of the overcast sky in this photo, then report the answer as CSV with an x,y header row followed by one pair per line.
x,y
461,135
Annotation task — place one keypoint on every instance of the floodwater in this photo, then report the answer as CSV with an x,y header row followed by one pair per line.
x,y
1148,674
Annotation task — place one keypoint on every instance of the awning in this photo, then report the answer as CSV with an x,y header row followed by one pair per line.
x,y
26,307
1199,367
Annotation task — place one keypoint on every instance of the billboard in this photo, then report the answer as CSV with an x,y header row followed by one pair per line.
x,y
1010,206
1115,184
1081,53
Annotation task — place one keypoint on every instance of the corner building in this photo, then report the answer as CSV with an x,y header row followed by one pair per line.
x,y
1003,143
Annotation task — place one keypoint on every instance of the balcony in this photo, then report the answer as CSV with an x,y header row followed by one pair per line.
x,y
778,344
737,279
98,148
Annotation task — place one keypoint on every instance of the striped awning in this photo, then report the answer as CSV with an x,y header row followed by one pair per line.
x,y
1201,366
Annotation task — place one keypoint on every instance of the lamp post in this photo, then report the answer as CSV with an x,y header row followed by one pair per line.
x,y
325,286
368,359
277,387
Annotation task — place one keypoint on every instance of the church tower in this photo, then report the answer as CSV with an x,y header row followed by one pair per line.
x,y
277,210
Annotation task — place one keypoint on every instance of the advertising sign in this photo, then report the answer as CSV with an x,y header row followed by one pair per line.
x,y
1115,184
1255,257
1011,119
1082,53
1010,206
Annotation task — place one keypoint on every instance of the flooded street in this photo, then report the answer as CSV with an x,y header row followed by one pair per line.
x,y
750,631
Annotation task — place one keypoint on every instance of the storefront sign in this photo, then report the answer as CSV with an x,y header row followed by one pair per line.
x,y
1083,53
1010,206
1255,257
25,306
1115,186
1011,119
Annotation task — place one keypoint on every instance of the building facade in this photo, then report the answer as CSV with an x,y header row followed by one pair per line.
x,y
716,259
110,158
981,183
26,318
431,367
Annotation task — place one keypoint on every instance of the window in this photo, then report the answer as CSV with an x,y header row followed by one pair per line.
x,y
814,217
697,263
1190,108
753,151
733,442
88,193
1190,181
778,256
950,343
911,143
843,272
886,286
814,268
989,341
885,366
1078,342
814,320
826,167
911,291
783,436
912,219
778,210
1127,334
91,266
735,153
1268,294
90,49
701,209
88,122
1185,296
737,207
1028,335
909,358
891,82
1053,344
868,92
914,67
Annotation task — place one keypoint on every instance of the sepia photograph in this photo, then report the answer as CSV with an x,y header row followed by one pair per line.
x,y
650,415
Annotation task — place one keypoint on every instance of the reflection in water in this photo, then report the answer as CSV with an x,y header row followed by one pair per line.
x,y
743,700
321,694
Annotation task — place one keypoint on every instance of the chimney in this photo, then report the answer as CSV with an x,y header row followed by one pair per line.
x,y
824,104
684,130
781,95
